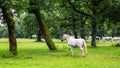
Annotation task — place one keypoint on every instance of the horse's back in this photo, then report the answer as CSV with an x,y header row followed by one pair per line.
x,y
72,42
75,42
79,42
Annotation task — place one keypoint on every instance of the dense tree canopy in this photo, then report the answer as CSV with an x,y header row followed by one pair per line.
x,y
75,17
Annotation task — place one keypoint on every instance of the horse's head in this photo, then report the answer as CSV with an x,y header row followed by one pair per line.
x,y
64,37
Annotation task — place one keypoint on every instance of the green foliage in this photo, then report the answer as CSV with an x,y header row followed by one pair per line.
x,y
3,32
117,45
15,4
27,25
55,13
113,11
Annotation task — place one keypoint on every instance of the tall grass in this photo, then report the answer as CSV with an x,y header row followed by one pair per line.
x,y
37,55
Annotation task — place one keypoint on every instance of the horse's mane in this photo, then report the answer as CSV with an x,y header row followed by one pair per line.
x,y
68,36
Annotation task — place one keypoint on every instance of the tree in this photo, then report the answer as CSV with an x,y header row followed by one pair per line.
x,y
29,25
92,9
8,17
34,8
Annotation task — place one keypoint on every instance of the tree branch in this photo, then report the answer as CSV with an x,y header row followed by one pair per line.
x,y
75,9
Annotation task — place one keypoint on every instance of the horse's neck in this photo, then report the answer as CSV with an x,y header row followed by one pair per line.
x,y
70,38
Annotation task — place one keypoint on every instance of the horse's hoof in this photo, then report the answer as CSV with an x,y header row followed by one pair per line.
x,y
82,56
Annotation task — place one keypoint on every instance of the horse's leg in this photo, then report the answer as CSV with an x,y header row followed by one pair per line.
x,y
71,50
82,51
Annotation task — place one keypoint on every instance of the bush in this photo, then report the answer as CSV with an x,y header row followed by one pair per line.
x,y
117,45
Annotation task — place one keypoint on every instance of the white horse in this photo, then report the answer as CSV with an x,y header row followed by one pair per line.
x,y
72,42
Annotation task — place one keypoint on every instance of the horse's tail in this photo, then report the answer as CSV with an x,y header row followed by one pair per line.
x,y
85,46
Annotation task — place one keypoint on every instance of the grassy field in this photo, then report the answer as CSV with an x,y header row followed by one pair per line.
x,y
37,55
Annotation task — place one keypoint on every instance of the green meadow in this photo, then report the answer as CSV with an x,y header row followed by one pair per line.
x,y
32,54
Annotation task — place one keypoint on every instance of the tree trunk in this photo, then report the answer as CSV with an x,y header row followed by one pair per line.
x,y
82,32
74,30
94,17
39,34
42,25
94,30
44,30
74,26
8,17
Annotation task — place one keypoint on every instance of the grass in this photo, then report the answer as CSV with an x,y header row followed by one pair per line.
x,y
37,55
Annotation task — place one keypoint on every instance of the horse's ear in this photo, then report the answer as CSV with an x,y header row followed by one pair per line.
x,y
64,34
